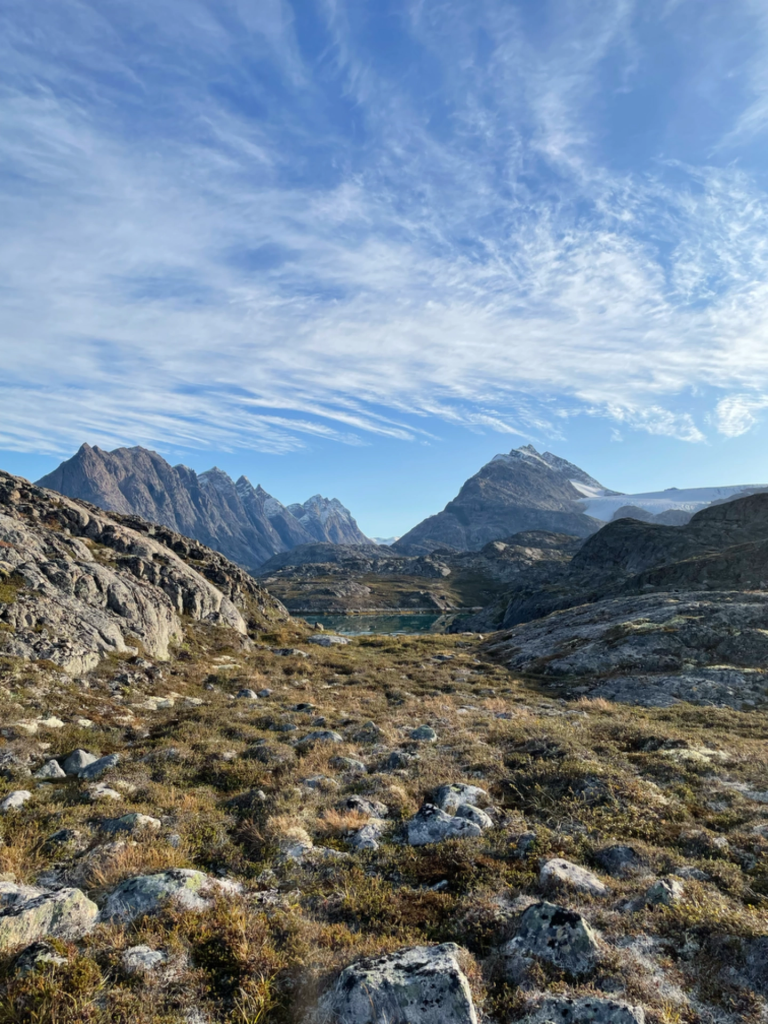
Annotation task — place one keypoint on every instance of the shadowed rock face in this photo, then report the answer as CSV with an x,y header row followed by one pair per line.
x,y
77,584
243,522
511,494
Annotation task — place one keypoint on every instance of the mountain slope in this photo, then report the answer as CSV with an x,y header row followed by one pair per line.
x,y
243,522
511,494
328,520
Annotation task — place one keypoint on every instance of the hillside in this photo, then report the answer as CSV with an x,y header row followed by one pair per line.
x,y
211,816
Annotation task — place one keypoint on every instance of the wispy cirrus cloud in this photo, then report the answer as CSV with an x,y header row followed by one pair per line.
x,y
251,225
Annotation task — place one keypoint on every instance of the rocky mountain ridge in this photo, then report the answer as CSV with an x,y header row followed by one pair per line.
x,y
243,522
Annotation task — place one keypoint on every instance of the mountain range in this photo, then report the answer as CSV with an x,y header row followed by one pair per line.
x,y
243,522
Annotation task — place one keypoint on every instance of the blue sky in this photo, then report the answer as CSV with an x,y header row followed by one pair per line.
x,y
359,247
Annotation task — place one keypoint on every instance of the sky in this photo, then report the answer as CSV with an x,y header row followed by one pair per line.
x,y
358,247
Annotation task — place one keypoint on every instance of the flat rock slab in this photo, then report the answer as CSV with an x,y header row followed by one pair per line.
x,y
431,825
563,872
133,822
420,985
327,640
66,914
147,894
562,937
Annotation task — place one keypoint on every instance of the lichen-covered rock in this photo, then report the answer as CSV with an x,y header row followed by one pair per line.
x,y
133,822
369,836
586,1011
560,936
66,914
321,736
562,872
431,825
420,985
39,954
620,861
142,960
424,734
97,768
146,894
666,892
475,815
327,640
450,796
374,808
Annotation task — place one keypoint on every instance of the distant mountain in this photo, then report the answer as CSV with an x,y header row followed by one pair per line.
x,y
326,519
243,522
524,490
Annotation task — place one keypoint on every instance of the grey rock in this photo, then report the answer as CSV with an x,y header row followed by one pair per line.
x,y
587,1011
142,960
97,768
524,845
327,640
474,814
562,872
620,861
66,914
77,760
247,694
71,838
424,734
320,782
369,836
348,764
146,894
265,692
289,652
15,800
420,985
369,732
666,892
131,823
50,770
39,954
321,736
374,808
561,937
431,825
399,760
450,796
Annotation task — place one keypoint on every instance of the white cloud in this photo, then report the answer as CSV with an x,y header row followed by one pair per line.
x,y
736,414
197,285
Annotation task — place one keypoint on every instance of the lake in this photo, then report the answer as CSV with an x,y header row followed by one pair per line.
x,y
362,625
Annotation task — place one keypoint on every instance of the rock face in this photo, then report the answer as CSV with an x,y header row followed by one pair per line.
x,y
243,522
77,584
512,493
28,915
421,985
655,649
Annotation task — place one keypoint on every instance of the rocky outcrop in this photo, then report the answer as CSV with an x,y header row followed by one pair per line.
x,y
77,584
147,894
420,985
243,522
512,493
